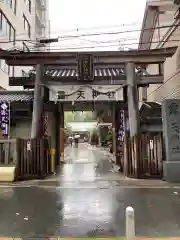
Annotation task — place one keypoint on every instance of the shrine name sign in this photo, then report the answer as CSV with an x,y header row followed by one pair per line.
x,y
171,131
66,93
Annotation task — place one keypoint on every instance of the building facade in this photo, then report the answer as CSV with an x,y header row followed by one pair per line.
x,y
160,29
22,22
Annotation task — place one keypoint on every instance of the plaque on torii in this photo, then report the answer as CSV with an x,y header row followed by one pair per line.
x,y
85,67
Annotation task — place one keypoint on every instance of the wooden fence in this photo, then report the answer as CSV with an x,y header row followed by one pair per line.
x,y
31,157
143,156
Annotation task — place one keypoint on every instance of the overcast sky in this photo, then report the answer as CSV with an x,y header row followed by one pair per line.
x,y
71,18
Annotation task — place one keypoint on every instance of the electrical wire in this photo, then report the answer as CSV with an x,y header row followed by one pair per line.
x,y
103,46
98,27
119,32
103,33
81,29
74,30
167,80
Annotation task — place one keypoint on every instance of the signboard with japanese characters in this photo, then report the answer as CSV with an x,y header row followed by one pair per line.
x,y
4,118
66,93
85,67
171,127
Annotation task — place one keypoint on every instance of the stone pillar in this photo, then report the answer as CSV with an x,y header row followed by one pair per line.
x,y
171,132
133,106
133,114
37,116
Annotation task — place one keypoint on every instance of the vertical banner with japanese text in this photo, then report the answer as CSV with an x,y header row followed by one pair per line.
x,y
121,127
171,128
85,67
5,118
45,125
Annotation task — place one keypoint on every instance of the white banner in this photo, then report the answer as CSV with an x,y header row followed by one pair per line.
x,y
66,93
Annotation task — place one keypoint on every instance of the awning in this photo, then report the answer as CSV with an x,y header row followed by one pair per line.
x,y
15,96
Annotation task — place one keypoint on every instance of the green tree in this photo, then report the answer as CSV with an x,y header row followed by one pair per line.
x,y
68,117
89,116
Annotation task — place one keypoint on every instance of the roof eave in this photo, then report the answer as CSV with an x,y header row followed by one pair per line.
x,y
150,14
143,26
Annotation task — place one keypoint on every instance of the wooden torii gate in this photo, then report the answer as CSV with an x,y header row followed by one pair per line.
x,y
131,66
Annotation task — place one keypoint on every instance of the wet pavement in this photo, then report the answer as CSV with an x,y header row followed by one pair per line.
x,y
83,200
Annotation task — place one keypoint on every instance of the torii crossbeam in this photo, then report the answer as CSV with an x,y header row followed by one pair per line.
x,y
16,58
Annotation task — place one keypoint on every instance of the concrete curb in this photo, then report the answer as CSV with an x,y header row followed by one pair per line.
x,y
100,238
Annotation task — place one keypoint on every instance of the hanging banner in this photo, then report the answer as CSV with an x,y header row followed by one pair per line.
x,y
4,118
68,93
121,131
45,125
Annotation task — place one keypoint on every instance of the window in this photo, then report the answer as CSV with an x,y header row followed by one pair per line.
x,y
28,3
27,26
7,32
12,4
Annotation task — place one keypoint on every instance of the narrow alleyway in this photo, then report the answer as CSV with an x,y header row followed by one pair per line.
x,y
85,165
85,200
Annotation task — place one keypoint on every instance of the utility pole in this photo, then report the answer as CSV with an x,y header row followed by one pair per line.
x,y
38,102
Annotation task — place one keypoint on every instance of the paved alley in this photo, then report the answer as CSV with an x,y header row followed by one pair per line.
x,y
84,200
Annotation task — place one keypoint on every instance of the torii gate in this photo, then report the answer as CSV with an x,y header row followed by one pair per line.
x,y
130,68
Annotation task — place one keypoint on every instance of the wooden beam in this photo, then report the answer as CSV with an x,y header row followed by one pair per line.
x,y
78,106
22,105
119,80
115,57
90,106
136,59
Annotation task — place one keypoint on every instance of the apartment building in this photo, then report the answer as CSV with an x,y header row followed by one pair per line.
x,y
161,28
22,22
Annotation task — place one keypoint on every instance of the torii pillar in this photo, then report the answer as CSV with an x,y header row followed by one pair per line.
x,y
134,118
37,116
133,104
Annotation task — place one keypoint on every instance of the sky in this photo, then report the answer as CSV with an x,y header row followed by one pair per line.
x,y
79,24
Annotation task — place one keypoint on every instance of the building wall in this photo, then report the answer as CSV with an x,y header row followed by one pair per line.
x,y
151,128
21,130
165,37
17,22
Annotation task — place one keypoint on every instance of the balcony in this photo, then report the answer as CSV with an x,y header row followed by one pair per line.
x,y
40,32
41,4
40,17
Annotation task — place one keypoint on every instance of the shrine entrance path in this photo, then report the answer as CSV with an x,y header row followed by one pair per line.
x,y
84,200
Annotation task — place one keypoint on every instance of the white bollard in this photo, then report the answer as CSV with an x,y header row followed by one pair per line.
x,y
130,224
